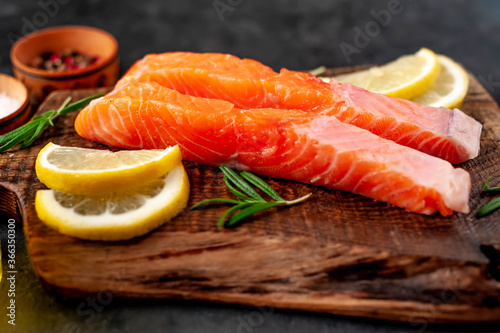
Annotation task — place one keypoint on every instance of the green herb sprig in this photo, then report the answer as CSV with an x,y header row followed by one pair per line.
x,y
489,207
493,204
487,188
318,71
249,201
26,134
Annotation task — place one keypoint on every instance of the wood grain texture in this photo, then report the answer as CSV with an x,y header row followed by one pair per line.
x,y
337,253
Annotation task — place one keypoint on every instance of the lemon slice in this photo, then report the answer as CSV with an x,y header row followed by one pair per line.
x,y
405,77
450,87
91,171
119,215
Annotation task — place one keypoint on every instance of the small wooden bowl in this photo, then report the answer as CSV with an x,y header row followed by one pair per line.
x,y
86,40
16,90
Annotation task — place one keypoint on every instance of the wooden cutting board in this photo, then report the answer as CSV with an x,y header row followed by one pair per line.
x,y
337,253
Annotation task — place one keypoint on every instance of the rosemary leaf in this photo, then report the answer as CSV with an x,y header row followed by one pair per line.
x,y
240,205
29,140
237,193
26,134
242,184
79,105
11,144
247,205
258,207
17,132
39,129
262,185
489,207
486,187
223,200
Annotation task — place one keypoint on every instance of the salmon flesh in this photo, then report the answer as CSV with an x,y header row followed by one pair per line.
x,y
311,147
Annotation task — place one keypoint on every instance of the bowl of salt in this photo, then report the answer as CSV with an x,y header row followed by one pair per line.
x,y
15,108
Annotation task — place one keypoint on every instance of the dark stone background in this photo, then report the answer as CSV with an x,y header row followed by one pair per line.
x,y
297,34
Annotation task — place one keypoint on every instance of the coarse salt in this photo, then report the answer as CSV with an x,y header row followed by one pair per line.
x,y
7,105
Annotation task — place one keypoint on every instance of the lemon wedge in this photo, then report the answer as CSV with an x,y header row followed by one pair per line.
x,y
405,77
450,87
118,215
91,171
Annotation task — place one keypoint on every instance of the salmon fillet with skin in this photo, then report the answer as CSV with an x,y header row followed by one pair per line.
x,y
444,133
289,144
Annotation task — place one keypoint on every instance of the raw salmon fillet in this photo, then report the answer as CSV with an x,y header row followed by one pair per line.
x,y
444,133
288,144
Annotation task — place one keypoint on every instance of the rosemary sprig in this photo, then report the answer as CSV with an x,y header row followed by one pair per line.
x,y
318,71
249,201
489,207
26,134
492,205
487,188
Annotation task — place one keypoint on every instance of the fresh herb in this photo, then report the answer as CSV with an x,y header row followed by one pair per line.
x,y
26,134
487,188
249,201
493,204
489,207
318,71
